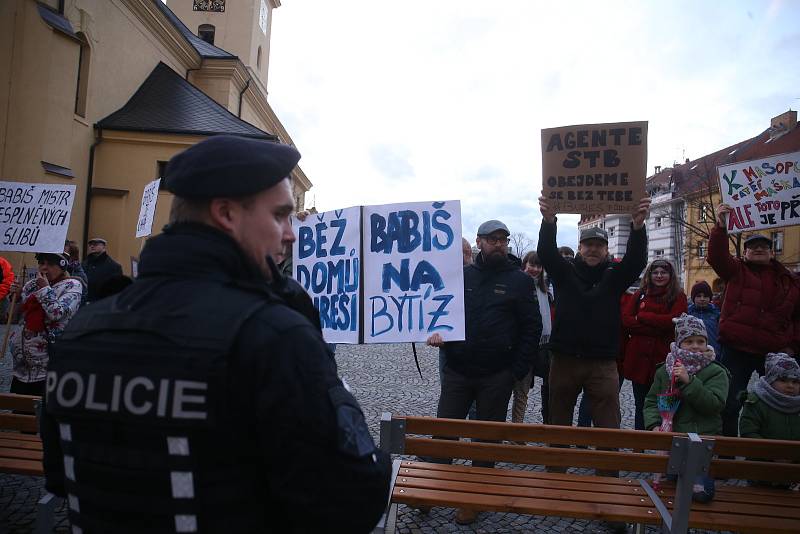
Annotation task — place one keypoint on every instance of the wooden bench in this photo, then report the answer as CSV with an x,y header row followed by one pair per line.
x,y
631,500
21,449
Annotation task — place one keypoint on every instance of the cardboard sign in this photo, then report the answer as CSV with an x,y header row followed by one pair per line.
x,y
144,225
327,263
594,168
764,193
414,275
34,217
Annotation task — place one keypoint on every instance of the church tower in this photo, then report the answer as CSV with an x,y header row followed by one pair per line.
x,y
241,27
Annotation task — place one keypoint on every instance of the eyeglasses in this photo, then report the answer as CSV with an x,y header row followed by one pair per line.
x,y
761,245
495,240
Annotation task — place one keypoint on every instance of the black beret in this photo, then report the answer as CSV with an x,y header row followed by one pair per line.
x,y
229,166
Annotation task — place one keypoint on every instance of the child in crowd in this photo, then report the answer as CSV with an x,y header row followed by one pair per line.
x,y
703,384
702,308
772,407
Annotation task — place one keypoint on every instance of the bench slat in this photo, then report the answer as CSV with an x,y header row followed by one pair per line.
x,y
21,467
22,454
597,495
24,423
510,480
23,403
561,435
757,448
19,436
754,470
19,443
724,494
522,454
742,523
525,505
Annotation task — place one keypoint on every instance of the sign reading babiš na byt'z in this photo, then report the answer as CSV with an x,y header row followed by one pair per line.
x,y
764,193
594,168
34,217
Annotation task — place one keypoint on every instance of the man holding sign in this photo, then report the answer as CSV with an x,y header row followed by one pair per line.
x,y
760,313
585,341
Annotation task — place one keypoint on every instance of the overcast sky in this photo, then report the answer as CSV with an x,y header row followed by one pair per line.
x,y
408,101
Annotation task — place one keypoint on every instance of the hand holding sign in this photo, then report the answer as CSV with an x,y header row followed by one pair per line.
x,y
640,214
547,213
722,211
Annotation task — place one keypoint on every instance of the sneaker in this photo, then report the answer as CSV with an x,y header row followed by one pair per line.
x,y
617,527
465,516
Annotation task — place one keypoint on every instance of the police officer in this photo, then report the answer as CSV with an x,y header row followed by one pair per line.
x,y
198,399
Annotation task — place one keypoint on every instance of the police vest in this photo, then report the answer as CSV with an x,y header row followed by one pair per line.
x,y
140,399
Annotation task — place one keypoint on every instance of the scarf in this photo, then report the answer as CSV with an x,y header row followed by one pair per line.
x,y
693,361
34,315
544,310
774,398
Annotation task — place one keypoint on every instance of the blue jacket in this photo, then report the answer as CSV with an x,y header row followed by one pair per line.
x,y
710,317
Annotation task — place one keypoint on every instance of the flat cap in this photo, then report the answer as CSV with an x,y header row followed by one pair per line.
x,y
594,233
757,237
97,240
229,166
492,226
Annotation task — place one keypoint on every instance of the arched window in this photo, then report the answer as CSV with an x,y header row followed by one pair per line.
x,y
84,60
258,58
206,33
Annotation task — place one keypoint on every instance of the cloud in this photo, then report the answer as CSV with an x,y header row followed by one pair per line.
x,y
447,101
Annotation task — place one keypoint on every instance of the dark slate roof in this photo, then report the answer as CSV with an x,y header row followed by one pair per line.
x,y
56,21
167,103
203,48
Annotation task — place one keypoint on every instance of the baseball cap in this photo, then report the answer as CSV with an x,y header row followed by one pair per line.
x,y
594,233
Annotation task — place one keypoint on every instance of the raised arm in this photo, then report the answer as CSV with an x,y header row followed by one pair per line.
x,y
635,259
547,250
719,256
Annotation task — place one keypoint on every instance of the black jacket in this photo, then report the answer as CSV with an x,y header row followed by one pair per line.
x,y
502,322
588,318
288,450
99,268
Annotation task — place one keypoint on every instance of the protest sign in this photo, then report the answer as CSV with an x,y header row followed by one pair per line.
x,y
327,263
34,217
594,168
413,272
763,193
144,225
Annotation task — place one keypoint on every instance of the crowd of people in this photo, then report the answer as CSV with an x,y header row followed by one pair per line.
x,y
208,388
597,326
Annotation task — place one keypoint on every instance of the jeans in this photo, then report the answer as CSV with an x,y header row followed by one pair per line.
x,y
639,393
473,413
490,393
741,366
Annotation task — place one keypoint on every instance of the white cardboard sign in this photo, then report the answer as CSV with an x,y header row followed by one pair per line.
x,y
144,225
34,217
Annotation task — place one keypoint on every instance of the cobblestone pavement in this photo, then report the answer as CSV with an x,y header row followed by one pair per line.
x,y
383,378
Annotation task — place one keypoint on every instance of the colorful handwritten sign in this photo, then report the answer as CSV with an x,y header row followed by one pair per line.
x,y
414,276
144,225
34,217
327,263
594,168
763,193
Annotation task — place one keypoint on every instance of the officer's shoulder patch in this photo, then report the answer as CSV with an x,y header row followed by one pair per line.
x,y
354,438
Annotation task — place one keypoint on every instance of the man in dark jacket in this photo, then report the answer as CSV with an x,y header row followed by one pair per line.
x,y
760,312
198,399
502,327
585,342
99,266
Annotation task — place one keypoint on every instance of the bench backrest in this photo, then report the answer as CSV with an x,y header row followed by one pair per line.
x,y
767,460
18,422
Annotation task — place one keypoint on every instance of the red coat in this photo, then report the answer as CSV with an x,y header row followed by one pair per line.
x,y
761,309
8,277
648,323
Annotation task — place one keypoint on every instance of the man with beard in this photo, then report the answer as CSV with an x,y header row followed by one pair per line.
x,y
502,328
584,342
